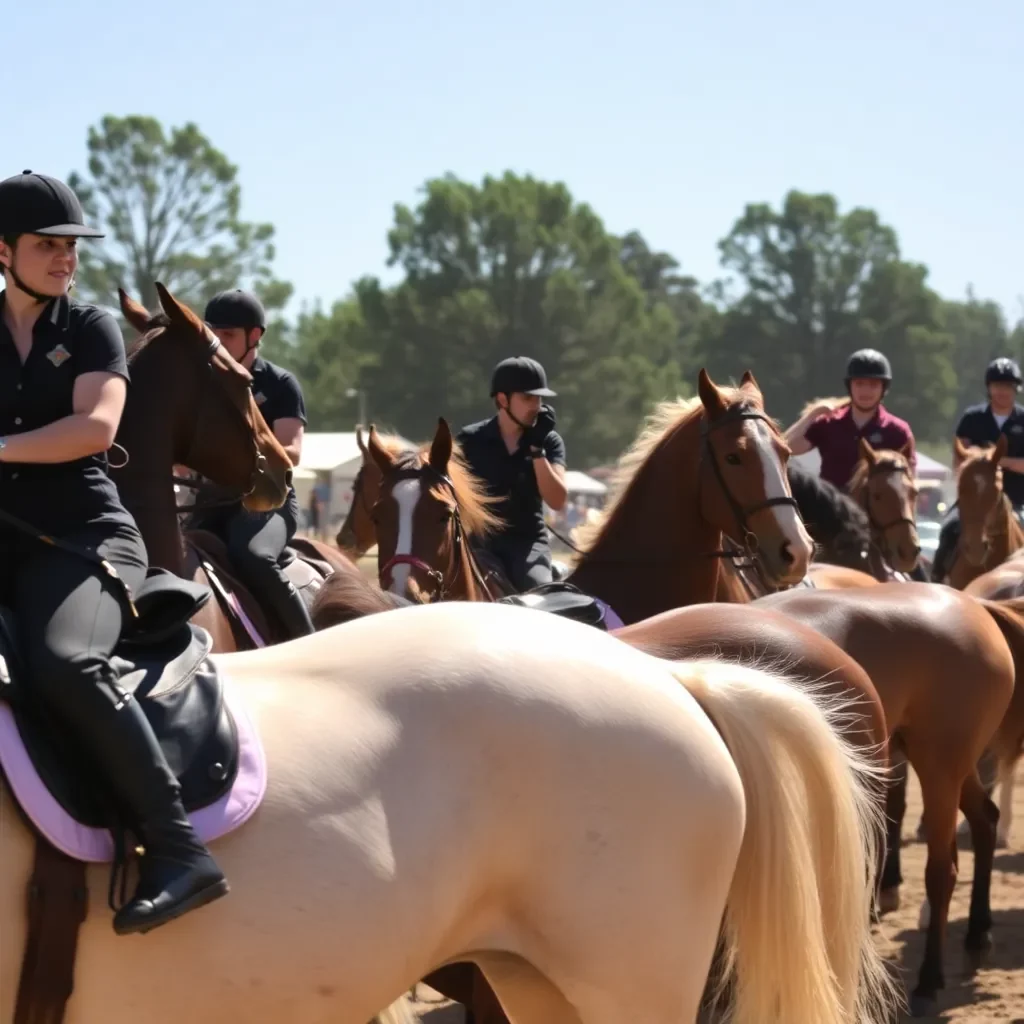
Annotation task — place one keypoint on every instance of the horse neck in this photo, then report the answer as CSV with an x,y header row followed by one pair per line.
x,y
656,551
1008,537
464,574
145,484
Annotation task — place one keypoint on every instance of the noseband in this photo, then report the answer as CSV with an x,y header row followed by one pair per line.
x,y
441,587
741,514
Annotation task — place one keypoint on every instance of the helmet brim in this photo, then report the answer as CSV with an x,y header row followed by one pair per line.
x,y
68,231
542,393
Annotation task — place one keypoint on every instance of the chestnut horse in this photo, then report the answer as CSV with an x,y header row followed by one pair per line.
x,y
989,529
945,675
190,403
701,469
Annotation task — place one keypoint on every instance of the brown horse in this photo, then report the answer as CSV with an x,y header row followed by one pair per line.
x,y
883,484
358,532
945,675
701,469
190,403
989,530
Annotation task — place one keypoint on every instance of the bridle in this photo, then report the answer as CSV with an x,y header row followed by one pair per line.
x,y
442,587
259,466
741,514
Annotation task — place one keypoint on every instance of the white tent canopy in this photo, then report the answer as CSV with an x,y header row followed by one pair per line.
x,y
580,483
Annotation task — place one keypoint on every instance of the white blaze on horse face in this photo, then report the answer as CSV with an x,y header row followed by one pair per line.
x,y
790,523
406,494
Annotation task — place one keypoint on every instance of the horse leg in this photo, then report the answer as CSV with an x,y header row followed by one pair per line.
x,y
529,996
1006,781
941,796
895,809
982,815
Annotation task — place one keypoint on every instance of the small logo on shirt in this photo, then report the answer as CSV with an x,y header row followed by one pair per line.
x,y
58,356
875,438
260,397
1018,429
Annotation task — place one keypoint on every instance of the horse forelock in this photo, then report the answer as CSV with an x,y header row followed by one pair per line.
x,y
885,459
471,495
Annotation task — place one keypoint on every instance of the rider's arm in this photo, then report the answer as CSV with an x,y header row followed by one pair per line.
x,y
1014,465
289,431
98,398
549,468
801,435
290,427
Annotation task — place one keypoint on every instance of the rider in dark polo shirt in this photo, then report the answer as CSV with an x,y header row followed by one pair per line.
x,y
521,458
980,426
837,433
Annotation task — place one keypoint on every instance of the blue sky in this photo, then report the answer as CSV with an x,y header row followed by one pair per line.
x,y
665,117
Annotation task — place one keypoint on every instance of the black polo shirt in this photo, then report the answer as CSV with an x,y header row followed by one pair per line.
x,y
978,426
510,476
69,339
277,392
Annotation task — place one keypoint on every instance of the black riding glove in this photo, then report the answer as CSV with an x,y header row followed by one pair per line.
x,y
536,435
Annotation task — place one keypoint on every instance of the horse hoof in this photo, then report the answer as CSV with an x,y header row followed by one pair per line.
x,y
922,1006
889,900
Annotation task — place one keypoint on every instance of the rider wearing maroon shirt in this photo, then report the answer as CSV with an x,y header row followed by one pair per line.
x,y
837,433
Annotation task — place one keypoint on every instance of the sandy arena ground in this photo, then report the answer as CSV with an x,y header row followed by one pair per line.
x,y
996,993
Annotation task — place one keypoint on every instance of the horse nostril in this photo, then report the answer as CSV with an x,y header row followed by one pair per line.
x,y
786,552
287,478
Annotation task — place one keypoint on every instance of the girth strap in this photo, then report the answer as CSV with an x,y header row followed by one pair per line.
x,y
58,900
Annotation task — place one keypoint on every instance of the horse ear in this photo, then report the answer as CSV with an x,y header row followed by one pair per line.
x,y
959,448
710,396
748,383
177,311
384,459
136,315
441,448
999,451
867,452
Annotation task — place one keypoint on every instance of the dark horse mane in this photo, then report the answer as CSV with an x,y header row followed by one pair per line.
x,y
836,523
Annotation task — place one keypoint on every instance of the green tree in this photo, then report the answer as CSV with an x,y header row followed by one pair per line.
x,y
517,266
171,205
816,284
980,334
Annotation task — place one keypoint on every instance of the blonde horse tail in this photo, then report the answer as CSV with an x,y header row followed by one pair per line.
x,y
397,1013
796,938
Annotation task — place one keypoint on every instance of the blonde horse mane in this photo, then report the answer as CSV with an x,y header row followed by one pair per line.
x,y
835,402
663,421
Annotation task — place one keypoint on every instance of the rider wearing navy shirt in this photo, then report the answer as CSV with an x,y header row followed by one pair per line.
x,y
257,540
521,458
63,381
981,426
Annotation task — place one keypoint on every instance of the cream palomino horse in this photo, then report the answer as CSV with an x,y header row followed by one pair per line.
x,y
610,809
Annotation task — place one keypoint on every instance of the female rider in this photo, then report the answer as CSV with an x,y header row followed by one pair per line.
x,y
63,381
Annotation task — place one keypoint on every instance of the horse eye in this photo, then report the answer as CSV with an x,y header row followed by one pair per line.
x,y
733,459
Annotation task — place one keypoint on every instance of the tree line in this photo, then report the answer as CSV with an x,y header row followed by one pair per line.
x,y
515,265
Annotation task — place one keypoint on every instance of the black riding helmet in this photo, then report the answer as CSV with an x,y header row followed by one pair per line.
x,y
235,308
36,204
520,373
868,364
1003,371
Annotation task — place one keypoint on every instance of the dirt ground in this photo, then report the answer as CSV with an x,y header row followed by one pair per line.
x,y
995,993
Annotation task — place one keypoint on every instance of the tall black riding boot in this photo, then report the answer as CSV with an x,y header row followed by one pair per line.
x,y
176,872
292,611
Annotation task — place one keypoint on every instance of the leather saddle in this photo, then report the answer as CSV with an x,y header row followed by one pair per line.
x,y
164,661
561,599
